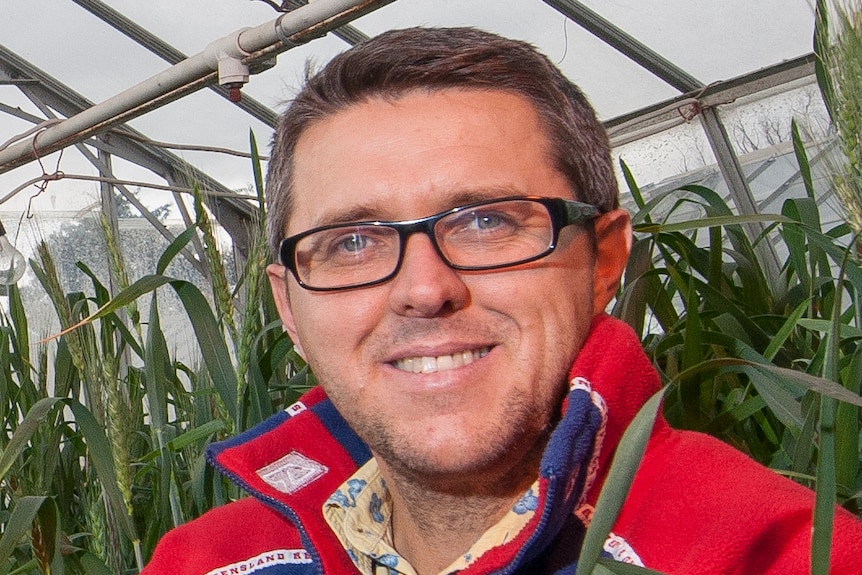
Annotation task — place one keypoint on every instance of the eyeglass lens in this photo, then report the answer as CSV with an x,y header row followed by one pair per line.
x,y
479,237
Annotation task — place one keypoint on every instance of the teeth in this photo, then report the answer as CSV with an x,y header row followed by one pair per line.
x,y
440,363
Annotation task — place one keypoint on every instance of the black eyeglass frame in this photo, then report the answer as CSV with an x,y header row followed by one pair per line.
x,y
562,212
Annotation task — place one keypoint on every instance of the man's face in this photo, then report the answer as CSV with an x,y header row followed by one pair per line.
x,y
497,344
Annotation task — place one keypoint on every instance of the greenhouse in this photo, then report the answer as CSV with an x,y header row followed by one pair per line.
x,y
138,329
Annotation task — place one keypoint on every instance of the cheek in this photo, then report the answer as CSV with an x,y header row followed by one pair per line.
x,y
566,314
334,325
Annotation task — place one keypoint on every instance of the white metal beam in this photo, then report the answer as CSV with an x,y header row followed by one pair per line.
x,y
250,44
626,44
168,53
233,214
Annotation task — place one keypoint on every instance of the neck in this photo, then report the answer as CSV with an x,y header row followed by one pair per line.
x,y
433,528
436,521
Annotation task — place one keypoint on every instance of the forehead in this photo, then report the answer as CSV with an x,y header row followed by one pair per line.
x,y
417,154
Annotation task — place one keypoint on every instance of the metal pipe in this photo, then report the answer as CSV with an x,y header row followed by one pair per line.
x,y
272,37
167,52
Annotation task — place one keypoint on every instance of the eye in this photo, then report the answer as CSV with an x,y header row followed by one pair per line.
x,y
487,221
350,243
355,244
483,222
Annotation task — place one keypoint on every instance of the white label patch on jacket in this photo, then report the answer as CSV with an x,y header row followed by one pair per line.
x,y
296,409
615,546
621,551
264,561
292,472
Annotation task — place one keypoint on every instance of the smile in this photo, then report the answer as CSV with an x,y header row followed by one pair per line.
x,y
441,362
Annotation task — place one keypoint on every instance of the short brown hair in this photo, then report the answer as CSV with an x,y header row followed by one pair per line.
x,y
401,61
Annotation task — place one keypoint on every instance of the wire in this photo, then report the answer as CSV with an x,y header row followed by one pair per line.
x,y
190,147
686,108
132,136
46,177
59,175
37,128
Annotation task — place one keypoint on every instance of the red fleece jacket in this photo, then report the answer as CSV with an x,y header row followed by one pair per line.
x,y
696,506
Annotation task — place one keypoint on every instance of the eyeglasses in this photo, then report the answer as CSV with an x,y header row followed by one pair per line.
x,y
485,235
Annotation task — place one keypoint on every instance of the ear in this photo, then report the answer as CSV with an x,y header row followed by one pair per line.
x,y
613,233
278,282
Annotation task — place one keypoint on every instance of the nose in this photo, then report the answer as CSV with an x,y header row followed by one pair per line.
x,y
425,286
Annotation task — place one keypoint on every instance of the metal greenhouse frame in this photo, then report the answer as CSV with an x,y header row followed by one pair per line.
x,y
100,131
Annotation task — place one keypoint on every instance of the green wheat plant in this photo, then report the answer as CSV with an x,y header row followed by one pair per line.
x,y
838,46
104,429
773,368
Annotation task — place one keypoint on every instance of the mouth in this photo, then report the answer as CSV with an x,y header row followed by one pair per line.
x,y
428,364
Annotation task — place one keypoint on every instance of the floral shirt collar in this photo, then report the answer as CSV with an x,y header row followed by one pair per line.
x,y
360,515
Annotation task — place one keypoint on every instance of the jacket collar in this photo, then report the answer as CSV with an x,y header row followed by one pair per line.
x,y
296,459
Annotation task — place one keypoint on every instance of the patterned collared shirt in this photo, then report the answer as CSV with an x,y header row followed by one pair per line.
x,y
360,514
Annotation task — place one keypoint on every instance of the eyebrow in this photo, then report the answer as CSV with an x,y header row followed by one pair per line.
x,y
346,216
380,212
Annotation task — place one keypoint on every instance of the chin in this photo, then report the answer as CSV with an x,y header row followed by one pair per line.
x,y
459,465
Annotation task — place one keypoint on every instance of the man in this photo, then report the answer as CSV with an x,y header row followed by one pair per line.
x,y
446,218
